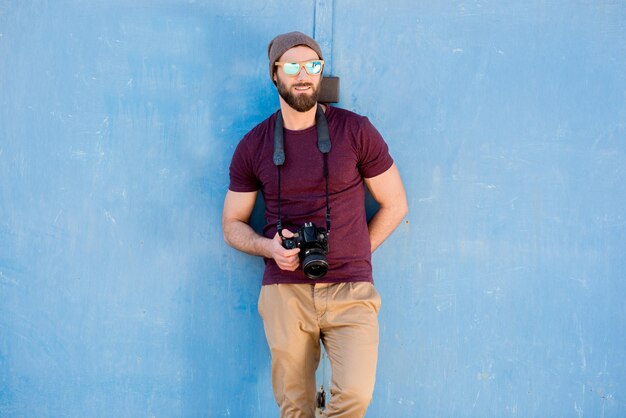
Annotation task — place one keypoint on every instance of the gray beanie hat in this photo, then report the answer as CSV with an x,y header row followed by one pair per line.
x,y
286,41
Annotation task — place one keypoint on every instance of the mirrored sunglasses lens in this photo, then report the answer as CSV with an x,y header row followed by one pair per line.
x,y
313,67
291,68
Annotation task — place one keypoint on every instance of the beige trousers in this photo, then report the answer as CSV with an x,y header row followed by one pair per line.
x,y
344,317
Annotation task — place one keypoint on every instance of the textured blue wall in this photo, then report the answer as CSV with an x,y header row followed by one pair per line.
x,y
502,293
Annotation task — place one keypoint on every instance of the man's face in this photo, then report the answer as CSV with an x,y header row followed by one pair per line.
x,y
301,91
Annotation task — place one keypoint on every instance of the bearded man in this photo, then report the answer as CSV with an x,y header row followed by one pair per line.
x,y
306,159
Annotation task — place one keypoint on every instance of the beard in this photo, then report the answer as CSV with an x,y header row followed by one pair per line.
x,y
300,102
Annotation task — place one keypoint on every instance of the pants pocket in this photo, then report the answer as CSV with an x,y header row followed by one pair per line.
x,y
367,293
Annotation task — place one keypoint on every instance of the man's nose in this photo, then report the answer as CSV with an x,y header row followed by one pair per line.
x,y
302,73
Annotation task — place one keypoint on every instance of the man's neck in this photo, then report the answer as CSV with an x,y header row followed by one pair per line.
x,y
297,121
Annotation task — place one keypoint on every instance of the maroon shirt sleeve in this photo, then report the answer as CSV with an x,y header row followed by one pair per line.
x,y
242,177
374,158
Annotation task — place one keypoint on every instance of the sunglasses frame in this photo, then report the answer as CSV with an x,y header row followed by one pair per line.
x,y
301,64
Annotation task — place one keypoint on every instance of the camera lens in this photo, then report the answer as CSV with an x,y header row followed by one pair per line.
x,y
314,264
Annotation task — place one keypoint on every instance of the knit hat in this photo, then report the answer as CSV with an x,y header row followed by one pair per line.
x,y
286,41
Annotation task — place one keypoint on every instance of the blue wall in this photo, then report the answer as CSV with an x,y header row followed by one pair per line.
x,y
502,292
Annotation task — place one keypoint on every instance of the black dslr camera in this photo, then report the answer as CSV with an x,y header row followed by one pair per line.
x,y
313,244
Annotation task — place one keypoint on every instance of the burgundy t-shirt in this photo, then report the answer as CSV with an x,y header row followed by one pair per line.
x,y
357,151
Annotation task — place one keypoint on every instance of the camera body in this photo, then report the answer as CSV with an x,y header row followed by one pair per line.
x,y
313,244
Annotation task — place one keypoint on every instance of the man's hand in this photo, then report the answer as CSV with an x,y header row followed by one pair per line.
x,y
238,233
284,258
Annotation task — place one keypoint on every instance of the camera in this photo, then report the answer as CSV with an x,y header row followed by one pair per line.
x,y
313,244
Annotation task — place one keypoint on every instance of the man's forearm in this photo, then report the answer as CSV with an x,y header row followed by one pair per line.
x,y
242,237
383,223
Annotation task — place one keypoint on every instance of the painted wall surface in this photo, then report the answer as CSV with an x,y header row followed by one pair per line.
x,y
503,292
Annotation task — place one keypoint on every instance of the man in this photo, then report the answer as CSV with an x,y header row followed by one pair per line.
x,y
339,308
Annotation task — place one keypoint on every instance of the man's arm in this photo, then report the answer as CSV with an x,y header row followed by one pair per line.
x,y
240,235
387,189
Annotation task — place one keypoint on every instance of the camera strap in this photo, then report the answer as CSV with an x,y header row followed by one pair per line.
x,y
323,144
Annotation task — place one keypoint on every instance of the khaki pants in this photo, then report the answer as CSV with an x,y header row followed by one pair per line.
x,y
344,316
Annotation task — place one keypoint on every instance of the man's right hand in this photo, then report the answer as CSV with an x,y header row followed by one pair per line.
x,y
238,233
284,258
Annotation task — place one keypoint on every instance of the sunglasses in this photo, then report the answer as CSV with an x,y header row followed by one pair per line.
x,y
312,67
